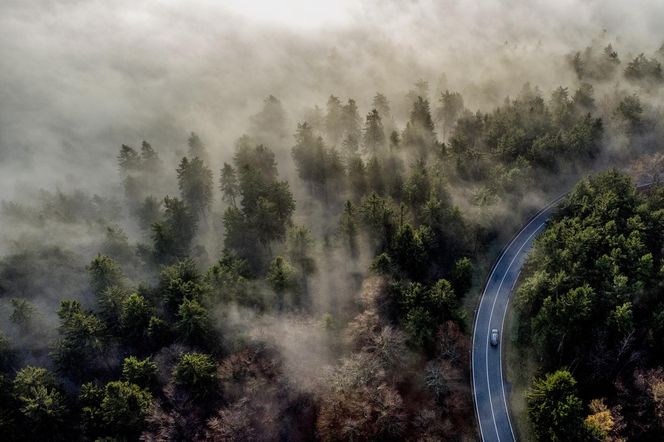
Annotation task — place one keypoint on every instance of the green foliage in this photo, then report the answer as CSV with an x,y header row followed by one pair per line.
x,y
135,315
23,315
124,407
377,217
89,398
281,278
229,280
317,165
141,174
451,106
159,332
631,111
149,157
350,119
104,273
196,147
584,98
109,306
229,185
381,104
592,288
462,276
409,250
193,324
149,212
117,411
556,411
524,137
181,281
591,65
300,245
562,319
333,120
266,207
195,183
116,246
643,70
374,135
598,242
375,175
79,349
128,158
197,374
173,235
41,404
356,176
348,230
269,125
424,309
142,372
382,264
418,185
419,134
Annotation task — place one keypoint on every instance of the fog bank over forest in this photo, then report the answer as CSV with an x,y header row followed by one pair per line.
x,y
272,220
81,78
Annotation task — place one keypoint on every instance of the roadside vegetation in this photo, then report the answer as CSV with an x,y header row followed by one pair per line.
x,y
591,309
312,284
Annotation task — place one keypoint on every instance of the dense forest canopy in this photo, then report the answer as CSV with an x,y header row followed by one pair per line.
x,y
308,269
592,304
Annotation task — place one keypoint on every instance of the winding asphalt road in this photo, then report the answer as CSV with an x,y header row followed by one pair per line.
x,y
489,390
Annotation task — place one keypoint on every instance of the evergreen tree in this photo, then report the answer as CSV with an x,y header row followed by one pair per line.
x,y
334,123
451,107
174,234
350,120
196,147
40,403
269,126
229,185
555,409
374,136
195,183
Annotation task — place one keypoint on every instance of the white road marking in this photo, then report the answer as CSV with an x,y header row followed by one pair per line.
x,y
493,306
502,324
477,314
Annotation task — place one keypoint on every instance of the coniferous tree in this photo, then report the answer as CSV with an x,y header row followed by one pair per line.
x,y
334,123
269,126
173,235
196,147
374,136
451,106
229,185
195,183
350,120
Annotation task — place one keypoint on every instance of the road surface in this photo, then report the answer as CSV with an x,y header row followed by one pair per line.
x,y
489,389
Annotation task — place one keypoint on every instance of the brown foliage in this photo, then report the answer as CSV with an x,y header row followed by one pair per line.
x,y
366,413
263,404
177,419
453,345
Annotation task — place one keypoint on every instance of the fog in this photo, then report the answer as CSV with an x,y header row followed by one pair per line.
x,y
80,78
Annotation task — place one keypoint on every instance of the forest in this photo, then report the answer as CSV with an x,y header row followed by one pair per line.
x,y
316,278
591,308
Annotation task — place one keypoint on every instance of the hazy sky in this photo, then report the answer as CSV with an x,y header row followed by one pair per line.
x,y
80,77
